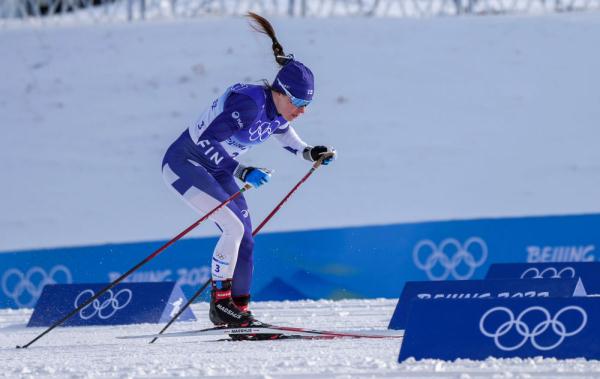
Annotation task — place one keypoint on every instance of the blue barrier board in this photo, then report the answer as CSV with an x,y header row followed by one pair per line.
x,y
128,303
589,272
504,328
478,289
441,250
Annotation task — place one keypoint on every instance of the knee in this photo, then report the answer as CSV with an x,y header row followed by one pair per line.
x,y
235,228
230,224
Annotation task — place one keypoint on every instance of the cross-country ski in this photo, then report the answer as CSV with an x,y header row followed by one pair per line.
x,y
269,332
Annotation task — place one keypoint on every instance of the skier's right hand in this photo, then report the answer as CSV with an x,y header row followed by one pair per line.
x,y
314,153
255,176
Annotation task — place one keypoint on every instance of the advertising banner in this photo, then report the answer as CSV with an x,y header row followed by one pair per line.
x,y
503,328
329,263
589,272
481,289
129,303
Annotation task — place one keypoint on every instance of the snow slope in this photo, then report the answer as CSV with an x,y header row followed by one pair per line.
x,y
433,119
94,352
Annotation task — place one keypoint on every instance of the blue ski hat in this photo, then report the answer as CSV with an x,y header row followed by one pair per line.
x,y
297,81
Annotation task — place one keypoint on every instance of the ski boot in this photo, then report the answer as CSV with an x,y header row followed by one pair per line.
x,y
223,311
233,312
242,302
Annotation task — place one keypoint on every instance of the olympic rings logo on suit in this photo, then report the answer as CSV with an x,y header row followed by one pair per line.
x,y
435,255
554,273
530,334
105,309
16,283
262,130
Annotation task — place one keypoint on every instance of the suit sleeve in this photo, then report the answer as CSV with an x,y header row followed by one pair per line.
x,y
290,140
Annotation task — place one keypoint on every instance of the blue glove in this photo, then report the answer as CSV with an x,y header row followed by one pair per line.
x,y
314,153
255,176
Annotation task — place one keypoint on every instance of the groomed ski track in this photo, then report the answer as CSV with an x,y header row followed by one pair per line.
x,y
94,352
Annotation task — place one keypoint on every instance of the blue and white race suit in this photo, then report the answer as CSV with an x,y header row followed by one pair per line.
x,y
201,163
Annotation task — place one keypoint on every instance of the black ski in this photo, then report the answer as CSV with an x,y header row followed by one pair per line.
x,y
269,332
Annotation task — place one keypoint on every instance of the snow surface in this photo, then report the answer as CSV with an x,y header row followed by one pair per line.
x,y
433,119
93,352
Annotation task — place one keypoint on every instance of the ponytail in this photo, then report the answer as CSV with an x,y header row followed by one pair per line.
x,y
262,25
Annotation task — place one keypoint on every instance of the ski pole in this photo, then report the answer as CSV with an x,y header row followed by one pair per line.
x,y
315,166
143,262
255,232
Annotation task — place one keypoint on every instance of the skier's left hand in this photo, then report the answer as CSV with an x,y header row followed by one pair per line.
x,y
315,153
256,176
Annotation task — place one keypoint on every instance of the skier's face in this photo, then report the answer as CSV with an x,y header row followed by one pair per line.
x,y
285,107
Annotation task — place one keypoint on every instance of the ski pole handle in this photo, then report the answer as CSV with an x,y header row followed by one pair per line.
x,y
320,161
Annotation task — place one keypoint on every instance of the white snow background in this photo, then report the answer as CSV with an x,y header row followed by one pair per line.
x,y
433,119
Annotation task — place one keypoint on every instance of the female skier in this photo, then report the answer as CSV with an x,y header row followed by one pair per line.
x,y
202,163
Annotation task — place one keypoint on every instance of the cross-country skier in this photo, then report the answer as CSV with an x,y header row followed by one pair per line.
x,y
202,163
